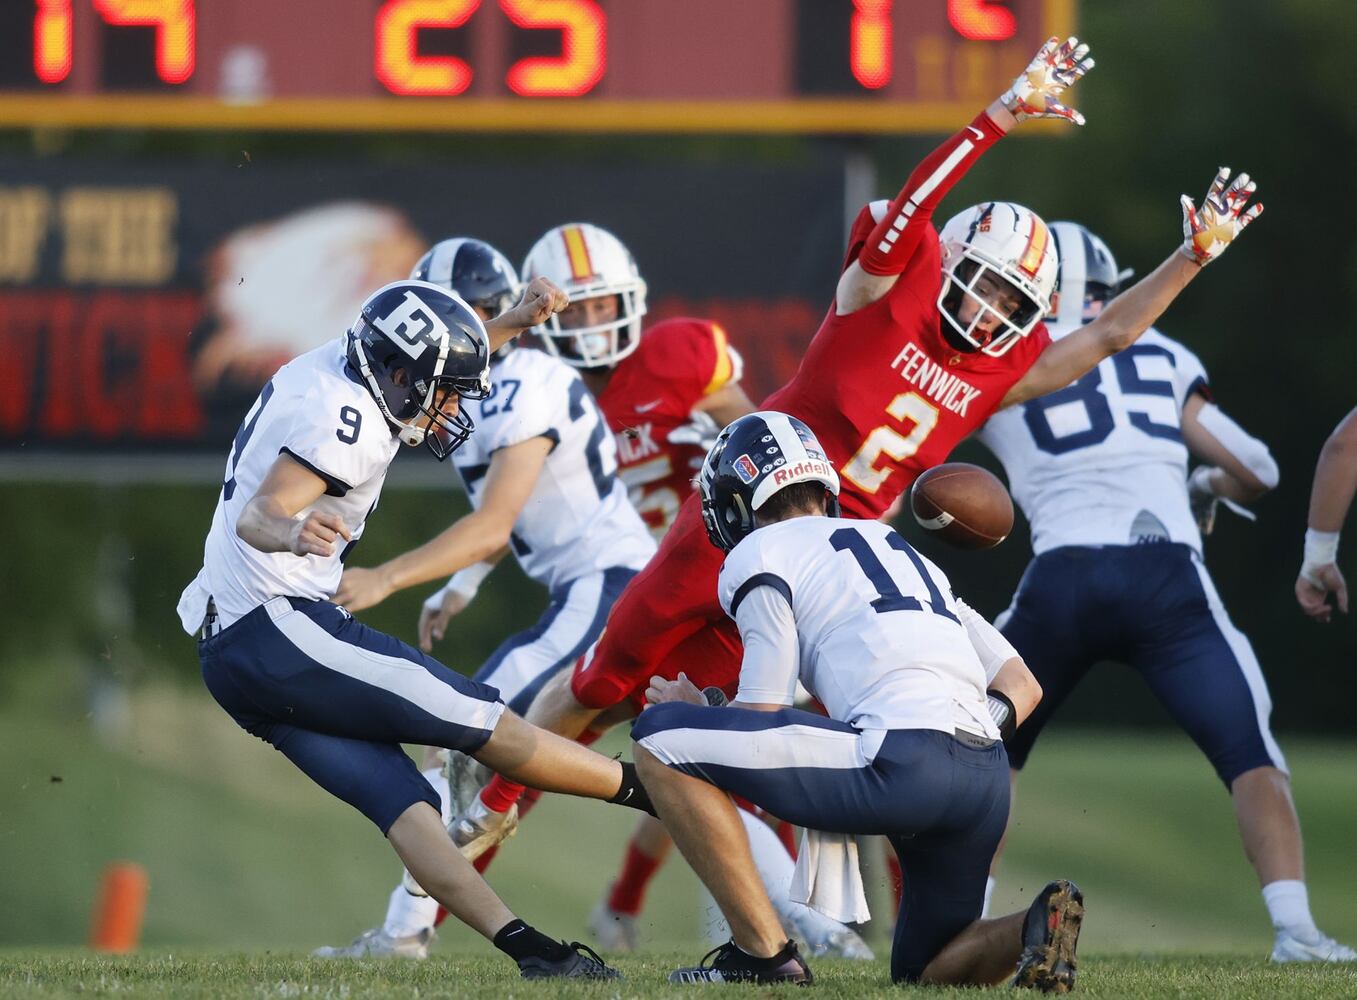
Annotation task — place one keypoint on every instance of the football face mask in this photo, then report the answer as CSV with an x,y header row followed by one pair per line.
x,y
421,350
985,308
592,266
999,268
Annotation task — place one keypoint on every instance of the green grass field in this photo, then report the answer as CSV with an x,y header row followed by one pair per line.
x,y
251,866
260,977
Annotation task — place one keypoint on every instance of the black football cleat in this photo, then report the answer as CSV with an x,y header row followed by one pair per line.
x,y
579,962
728,964
1050,932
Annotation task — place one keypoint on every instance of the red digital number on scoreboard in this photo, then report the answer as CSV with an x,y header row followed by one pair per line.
x,y
580,66
175,43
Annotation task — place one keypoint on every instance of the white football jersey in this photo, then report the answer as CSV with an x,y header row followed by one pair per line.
x,y
316,409
877,632
1102,461
578,519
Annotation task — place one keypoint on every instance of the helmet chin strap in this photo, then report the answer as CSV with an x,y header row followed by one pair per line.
x,y
411,435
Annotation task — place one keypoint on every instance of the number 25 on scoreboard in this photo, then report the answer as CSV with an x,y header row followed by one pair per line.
x,y
578,69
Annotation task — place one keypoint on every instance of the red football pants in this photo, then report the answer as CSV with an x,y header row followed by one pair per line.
x,y
668,620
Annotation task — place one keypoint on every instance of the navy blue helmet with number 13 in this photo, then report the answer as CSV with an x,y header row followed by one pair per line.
x,y
417,347
753,458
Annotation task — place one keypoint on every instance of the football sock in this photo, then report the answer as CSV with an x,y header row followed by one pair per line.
x,y
483,862
435,777
897,877
519,941
990,883
408,914
629,891
500,794
1288,904
631,792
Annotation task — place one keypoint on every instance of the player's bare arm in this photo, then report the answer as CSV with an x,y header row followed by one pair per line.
x,y
1237,468
514,472
1016,683
269,521
1036,93
726,404
541,299
1330,497
1206,235
453,599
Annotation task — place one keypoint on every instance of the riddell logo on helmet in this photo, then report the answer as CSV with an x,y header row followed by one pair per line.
x,y
801,470
746,469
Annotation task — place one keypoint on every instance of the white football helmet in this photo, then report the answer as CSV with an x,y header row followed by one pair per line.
x,y
1006,241
1088,278
588,262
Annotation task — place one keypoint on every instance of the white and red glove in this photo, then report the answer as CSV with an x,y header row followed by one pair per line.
x,y
1036,93
1208,233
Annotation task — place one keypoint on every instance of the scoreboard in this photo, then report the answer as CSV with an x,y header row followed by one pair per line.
x,y
836,66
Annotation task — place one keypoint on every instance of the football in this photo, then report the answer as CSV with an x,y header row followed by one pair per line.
x,y
963,505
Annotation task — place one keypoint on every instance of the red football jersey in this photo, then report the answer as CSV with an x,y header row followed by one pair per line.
x,y
882,389
649,404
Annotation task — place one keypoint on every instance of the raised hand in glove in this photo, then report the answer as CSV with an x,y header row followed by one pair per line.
x,y
1036,93
1208,232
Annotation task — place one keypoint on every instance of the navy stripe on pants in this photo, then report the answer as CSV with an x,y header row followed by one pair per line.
x,y
338,698
1154,607
573,620
942,803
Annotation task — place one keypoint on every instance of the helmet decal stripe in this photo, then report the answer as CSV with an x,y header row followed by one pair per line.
x,y
577,250
724,367
1030,261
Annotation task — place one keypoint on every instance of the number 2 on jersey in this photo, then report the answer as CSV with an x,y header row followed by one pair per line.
x,y
891,599
861,469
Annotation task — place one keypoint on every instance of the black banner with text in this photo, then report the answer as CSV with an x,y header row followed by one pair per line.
x,y
142,306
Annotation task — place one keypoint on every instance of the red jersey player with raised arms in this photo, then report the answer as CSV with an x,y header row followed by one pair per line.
x,y
929,333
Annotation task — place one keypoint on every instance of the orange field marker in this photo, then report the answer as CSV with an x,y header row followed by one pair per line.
x,y
120,907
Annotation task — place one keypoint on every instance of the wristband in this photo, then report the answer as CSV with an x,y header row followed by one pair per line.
x,y
1200,480
1003,713
467,581
716,698
1321,549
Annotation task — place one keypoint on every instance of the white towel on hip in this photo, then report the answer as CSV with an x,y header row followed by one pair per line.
x,y
828,879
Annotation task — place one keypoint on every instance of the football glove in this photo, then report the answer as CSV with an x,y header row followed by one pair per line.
x,y
1202,498
1209,232
1036,93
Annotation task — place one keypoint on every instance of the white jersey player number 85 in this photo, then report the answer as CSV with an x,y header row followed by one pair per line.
x,y
861,469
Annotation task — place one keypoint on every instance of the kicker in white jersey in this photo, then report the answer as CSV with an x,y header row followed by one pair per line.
x,y
316,410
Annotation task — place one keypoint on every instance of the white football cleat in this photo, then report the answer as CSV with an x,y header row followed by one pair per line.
x,y
1316,948
614,931
842,943
466,777
478,829
376,943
